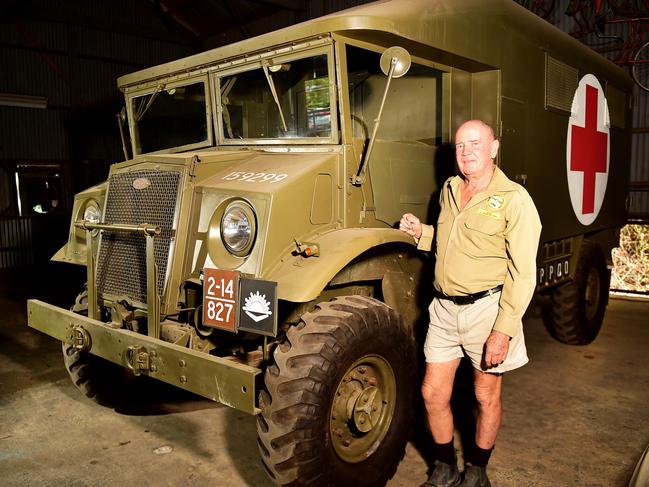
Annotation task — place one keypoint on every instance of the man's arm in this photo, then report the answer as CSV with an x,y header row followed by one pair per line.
x,y
521,240
425,241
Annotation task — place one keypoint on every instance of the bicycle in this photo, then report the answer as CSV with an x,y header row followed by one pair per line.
x,y
593,16
635,50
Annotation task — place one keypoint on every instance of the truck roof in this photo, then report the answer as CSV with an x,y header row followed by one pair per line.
x,y
470,29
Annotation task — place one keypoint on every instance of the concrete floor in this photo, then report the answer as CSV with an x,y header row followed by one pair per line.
x,y
573,416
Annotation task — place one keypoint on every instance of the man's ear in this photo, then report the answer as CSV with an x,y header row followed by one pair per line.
x,y
495,145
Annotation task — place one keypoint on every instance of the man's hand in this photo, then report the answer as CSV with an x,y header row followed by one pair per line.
x,y
411,225
496,349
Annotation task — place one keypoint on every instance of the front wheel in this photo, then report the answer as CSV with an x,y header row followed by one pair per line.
x,y
576,310
338,402
98,379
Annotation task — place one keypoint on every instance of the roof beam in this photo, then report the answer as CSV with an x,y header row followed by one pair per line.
x,y
294,5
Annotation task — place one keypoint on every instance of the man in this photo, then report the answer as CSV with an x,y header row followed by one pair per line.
x,y
485,272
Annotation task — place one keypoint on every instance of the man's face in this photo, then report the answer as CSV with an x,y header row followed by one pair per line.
x,y
475,149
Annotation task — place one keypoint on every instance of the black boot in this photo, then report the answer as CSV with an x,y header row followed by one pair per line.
x,y
475,476
443,475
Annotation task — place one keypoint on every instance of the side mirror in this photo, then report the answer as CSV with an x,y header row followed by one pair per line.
x,y
395,62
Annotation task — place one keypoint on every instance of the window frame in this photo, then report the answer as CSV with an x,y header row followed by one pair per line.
x,y
343,42
256,63
151,88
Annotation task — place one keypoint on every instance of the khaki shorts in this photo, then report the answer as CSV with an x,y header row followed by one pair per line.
x,y
456,330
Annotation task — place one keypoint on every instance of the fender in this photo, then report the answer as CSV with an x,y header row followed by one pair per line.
x,y
301,279
74,251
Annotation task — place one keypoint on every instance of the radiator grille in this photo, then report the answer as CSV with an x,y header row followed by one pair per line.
x,y
121,264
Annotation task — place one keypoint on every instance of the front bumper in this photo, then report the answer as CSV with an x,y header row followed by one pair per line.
x,y
215,378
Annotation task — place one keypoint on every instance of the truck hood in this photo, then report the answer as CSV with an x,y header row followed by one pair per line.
x,y
259,172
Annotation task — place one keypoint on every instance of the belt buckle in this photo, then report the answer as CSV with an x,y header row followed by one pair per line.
x,y
463,300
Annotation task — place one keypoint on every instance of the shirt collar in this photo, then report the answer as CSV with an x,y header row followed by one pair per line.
x,y
499,182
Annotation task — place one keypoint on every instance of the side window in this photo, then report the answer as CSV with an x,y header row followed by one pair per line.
x,y
413,108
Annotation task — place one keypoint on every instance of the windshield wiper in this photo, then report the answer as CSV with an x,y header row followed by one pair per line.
x,y
225,91
264,65
142,108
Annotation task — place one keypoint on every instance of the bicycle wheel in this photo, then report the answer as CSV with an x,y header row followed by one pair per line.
x,y
640,67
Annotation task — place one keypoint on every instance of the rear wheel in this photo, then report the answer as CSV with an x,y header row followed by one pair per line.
x,y
576,309
338,403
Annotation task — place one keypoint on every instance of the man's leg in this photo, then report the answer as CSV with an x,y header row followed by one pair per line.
x,y
487,391
436,390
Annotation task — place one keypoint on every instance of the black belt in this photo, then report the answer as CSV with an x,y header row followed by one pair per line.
x,y
471,298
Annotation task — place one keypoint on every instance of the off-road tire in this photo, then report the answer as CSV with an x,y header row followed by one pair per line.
x,y
98,379
576,309
348,352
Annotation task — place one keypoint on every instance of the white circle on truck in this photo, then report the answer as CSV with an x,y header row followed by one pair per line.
x,y
588,149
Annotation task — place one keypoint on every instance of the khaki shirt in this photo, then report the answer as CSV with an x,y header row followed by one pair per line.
x,y
492,241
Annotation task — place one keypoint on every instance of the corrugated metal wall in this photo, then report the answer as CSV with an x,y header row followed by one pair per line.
x,y
16,242
70,53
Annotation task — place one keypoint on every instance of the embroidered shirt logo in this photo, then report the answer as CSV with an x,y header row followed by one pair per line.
x,y
496,201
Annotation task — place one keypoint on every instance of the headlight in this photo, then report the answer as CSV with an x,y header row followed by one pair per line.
x,y
238,228
92,213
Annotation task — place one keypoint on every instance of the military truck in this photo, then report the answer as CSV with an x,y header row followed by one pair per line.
x,y
246,250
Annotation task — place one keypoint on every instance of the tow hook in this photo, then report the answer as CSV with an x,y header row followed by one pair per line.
x,y
79,339
138,359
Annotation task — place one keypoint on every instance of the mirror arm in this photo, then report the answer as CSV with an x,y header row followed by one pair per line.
x,y
361,174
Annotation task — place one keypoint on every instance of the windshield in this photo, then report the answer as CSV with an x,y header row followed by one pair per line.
x,y
170,117
300,106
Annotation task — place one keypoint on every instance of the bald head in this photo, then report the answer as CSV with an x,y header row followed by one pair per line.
x,y
479,125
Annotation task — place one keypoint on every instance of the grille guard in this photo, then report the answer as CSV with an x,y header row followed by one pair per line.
x,y
137,197
153,298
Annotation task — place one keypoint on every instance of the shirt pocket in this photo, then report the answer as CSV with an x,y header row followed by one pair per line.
x,y
485,235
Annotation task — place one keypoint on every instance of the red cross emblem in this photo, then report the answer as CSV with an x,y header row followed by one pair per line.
x,y
588,149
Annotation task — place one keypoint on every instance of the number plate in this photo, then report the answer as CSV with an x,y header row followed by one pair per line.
x,y
554,272
220,298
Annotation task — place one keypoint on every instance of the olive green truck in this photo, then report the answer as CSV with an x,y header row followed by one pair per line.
x,y
246,250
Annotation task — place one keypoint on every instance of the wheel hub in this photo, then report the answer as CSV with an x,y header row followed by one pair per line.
x,y
362,408
592,294
367,409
